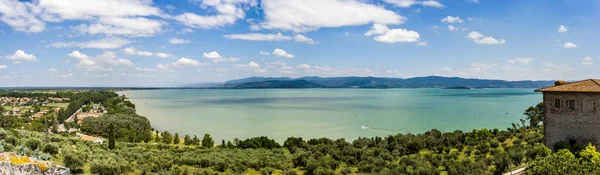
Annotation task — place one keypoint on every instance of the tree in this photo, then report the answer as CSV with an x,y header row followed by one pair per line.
x,y
223,143
176,139
166,137
196,141
74,161
535,115
207,141
187,140
111,136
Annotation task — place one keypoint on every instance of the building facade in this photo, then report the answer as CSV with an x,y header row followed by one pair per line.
x,y
572,112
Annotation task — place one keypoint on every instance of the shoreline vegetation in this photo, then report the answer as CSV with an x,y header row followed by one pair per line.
x,y
134,147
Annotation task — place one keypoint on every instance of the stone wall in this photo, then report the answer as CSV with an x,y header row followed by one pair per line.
x,y
580,125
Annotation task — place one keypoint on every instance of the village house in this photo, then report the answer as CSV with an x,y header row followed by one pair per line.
x,y
572,112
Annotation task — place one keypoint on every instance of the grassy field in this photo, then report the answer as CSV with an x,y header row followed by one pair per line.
x,y
64,105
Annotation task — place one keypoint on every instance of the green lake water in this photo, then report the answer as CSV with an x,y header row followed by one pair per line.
x,y
333,113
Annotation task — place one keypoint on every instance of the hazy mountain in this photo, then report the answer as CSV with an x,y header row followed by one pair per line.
x,y
378,82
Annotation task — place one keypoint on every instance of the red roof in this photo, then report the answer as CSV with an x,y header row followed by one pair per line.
x,y
589,85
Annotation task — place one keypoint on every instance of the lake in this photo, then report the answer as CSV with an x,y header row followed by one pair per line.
x,y
333,113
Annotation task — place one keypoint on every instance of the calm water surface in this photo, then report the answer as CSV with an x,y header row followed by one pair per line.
x,y
333,113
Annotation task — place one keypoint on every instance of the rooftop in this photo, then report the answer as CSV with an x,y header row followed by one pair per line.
x,y
589,85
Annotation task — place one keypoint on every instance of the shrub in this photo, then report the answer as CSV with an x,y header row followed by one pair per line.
x,y
51,149
33,144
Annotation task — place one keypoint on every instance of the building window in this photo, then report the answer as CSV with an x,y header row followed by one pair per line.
x,y
571,104
557,103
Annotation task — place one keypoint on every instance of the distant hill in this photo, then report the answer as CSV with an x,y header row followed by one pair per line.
x,y
378,82
279,84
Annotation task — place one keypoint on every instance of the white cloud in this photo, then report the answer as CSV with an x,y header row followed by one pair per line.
x,y
481,39
133,27
524,61
187,62
303,66
569,45
402,3
562,29
250,66
186,30
20,55
85,10
452,28
310,15
259,37
264,53
214,56
20,16
163,55
472,1
228,12
134,51
432,3
479,68
448,69
452,19
52,70
409,3
303,39
179,41
422,43
587,61
103,62
3,67
282,53
105,43
387,35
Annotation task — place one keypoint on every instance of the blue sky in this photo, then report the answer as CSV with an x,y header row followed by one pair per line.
x,y
166,43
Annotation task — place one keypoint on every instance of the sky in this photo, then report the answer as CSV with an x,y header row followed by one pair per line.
x,y
169,43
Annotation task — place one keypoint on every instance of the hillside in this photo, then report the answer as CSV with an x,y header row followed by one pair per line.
x,y
279,84
381,82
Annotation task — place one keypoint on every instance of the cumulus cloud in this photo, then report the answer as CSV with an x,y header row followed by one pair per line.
x,y
587,61
408,3
105,43
282,53
134,51
258,37
569,45
303,39
525,61
187,62
388,35
562,29
52,70
253,66
422,43
452,28
3,67
179,41
303,66
20,55
20,16
163,55
132,27
481,39
228,12
217,58
452,19
264,53
310,15
431,3
448,69
103,62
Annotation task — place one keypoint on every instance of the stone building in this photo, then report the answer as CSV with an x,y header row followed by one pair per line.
x,y
572,112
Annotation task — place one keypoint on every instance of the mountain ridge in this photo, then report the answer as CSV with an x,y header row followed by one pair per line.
x,y
377,82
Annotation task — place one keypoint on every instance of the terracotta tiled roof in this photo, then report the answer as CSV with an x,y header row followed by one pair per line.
x,y
589,85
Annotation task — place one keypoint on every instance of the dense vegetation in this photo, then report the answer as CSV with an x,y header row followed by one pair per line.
x,y
133,147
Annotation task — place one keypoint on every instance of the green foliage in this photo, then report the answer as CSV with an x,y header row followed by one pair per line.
x,y
535,115
51,149
207,141
112,138
176,139
589,154
33,144
129,127
187,140
73,160
166,137
110,164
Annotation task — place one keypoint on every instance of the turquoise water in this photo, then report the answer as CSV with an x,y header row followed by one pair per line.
x,y
333,113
